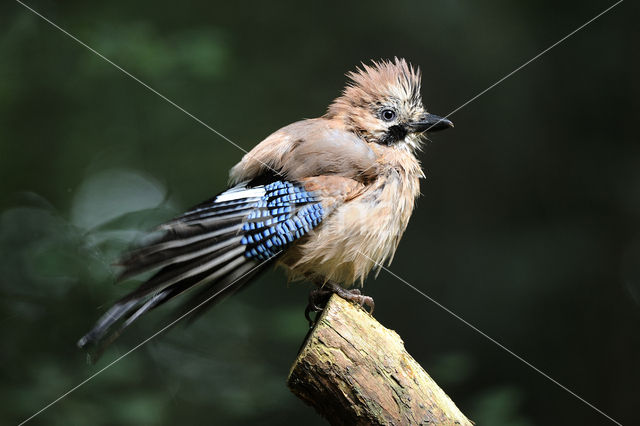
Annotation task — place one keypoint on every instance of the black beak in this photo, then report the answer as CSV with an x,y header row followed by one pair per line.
x,y
430,123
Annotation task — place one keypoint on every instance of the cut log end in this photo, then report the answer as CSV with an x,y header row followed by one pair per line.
x,y
354,371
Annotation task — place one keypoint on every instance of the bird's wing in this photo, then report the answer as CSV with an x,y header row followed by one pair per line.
x,y
282,189
309,148
216,247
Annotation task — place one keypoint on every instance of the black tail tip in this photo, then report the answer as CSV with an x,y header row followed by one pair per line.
x,y
89,340
83,342
89,343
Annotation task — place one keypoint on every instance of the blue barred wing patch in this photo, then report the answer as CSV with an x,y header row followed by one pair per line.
x,y
284,213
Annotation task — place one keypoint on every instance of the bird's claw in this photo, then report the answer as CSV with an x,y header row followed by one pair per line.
x,y
319,297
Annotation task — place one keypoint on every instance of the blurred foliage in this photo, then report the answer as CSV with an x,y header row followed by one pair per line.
x,y
529,227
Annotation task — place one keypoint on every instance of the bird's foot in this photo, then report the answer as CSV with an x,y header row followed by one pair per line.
x,y
319,297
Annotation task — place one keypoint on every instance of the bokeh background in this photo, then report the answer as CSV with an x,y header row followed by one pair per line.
x,y
529,226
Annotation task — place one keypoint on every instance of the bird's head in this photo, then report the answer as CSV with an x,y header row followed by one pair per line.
x,y
382,104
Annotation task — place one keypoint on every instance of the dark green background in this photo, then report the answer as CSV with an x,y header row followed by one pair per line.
x,y
529,226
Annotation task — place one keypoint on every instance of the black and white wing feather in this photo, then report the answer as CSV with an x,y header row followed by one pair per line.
x,y
217,247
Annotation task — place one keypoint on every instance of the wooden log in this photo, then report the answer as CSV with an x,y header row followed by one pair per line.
x,y
354,371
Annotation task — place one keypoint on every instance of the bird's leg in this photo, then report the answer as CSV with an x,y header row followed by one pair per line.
x,y
319,297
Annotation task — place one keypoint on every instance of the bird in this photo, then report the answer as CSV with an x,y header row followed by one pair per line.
x,y
326,198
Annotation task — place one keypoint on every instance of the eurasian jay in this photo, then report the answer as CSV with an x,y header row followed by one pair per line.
x,y
326,198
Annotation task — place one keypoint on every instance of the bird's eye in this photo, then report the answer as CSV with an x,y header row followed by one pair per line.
x,y
388,114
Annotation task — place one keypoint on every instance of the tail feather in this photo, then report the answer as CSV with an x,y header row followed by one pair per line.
x,y
200,302
236,274
238,268
163,287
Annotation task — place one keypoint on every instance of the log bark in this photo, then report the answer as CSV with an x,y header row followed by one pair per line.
x,y
354,371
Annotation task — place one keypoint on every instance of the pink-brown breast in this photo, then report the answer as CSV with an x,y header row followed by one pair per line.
x,y
365,221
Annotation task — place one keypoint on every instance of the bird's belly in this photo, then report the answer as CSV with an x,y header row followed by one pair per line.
x,y
358,236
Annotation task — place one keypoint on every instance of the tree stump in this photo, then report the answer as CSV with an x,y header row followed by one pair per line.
x,y
354,371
